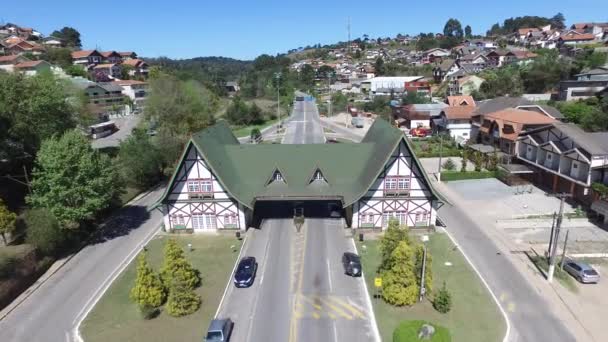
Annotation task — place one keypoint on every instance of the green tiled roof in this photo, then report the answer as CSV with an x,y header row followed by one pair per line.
x,y
349,168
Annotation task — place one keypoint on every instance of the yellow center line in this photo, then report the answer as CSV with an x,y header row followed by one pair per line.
x,y
293,322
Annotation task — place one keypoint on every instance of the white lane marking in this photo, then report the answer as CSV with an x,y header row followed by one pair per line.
x,y
335,330
329,276
502,310
368,301
90,304
255,301
229,284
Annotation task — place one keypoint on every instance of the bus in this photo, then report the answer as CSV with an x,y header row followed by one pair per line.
x,y
103,129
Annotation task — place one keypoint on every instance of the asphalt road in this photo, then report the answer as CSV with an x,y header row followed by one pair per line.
x,y
125,126
530,317
300,292
53,310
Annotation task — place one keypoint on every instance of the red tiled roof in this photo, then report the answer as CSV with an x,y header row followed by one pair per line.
x,y
103,66
28,64
8,59
523,31
107,54
459,112
519,116
127,53
584,36
457,100
133,62
129,82
83,53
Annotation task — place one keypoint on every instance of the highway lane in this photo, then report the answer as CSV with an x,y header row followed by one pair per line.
x,y
530,316
53,310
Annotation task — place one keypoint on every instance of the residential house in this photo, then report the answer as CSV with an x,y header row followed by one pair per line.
x,y
588,86
496,58
445,69
86,57
111,57
387,85
596,74
465,85
19,46
3,47
456,121
7,63
105,72
140,68
126,55
523,33
417,115
420,87
565,158
105,99
52,42
137,91
502,128
434,55
574,38
232,87
31,68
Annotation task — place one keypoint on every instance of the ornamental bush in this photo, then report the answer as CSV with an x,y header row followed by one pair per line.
x,y
182,299
399,280
148,292
449,165
175,264
443,300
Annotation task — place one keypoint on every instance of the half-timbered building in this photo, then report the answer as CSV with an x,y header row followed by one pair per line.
x,y
222,184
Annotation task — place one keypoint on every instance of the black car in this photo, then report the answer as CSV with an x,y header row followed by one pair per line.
x,y
352,264
245,272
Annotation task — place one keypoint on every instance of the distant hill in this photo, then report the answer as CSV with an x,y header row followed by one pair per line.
x,y
205,69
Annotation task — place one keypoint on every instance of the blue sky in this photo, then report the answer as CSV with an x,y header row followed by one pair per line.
x,y
246,29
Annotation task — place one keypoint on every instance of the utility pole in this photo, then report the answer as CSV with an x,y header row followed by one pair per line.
x,y
348,28
561,264
558,225
329,89
424,238
278,77
440,154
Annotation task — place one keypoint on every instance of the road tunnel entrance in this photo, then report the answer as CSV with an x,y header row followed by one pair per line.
x,y
289,208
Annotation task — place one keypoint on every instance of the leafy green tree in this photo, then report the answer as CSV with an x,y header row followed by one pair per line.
x,y
69,36
413,97
443,300
326,71
182,107
72,180
140,160
307,76
44,232
339,102
148,290
75,71
426,41
557,21
256,134
501,82
125,71
399,280
175,266
58,56
545,72
468,33
453,28
237,112
31,109
379,66
182,299
464,160
7,221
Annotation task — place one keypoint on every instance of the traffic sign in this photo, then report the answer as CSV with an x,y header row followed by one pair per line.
x,y
378,282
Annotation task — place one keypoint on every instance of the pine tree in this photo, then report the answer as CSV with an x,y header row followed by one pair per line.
x,y
175,264
182,299
443,300
148,291
389,241
399,281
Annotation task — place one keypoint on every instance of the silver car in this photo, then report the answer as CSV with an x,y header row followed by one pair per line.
x,y
582,272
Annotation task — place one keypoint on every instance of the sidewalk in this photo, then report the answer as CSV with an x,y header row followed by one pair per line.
x,y
553,294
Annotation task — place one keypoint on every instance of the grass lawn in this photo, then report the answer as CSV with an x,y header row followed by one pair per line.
x,y
129,194
431,147
474,315
447,176
562,276
116,318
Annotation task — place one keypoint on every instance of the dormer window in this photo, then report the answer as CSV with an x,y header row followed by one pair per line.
x,y
277,176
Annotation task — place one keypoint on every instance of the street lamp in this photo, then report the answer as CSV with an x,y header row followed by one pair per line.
x,y
424,239
277,75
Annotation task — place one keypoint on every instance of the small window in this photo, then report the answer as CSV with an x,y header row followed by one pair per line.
x,y
549,156
277,176
575,166
318,175
206,185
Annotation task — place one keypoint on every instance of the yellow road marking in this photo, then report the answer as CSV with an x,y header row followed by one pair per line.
x,y
355,311
316,315
511,307
295,316
336,309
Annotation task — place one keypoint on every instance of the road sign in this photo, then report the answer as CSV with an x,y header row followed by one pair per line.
x,y
378,282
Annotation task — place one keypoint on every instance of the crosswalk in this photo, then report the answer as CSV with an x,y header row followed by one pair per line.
x,y
328,306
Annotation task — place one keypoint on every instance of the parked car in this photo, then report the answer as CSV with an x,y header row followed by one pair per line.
x,y
245,272
334,210
352,264
582,272
219,330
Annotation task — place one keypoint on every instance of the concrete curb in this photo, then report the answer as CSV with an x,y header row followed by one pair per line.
x,y
368,301
229,284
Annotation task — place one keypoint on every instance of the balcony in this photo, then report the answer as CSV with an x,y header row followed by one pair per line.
x,y
200,195
396,192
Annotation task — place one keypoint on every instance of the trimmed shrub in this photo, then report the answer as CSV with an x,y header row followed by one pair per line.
x,y
182,299
454,176
449,165
175,264
443,300
148,291
408,332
